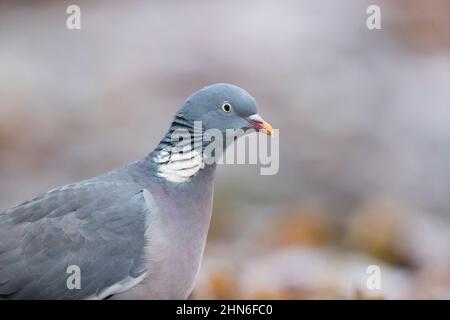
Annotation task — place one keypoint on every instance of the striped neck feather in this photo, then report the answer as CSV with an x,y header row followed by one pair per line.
x,y
178,167
179,161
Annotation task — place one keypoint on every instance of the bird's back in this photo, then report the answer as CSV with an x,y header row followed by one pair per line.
x,y
96,227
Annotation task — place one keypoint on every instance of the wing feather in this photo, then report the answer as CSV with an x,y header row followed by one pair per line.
x,y
98,226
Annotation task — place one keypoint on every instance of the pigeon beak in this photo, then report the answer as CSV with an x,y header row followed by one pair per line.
x,y
259,124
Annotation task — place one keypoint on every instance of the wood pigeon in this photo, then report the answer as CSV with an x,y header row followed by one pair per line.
x,y
137,232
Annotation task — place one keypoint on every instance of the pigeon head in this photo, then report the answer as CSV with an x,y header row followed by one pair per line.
x,y
222,106
216,111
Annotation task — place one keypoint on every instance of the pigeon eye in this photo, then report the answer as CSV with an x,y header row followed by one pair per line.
x,y
226,106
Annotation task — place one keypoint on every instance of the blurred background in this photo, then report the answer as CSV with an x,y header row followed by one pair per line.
x,y
364,119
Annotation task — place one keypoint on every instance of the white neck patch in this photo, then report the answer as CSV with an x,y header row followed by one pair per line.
x,y
178,167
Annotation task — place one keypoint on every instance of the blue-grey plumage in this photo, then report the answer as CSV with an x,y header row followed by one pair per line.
x,y
136,232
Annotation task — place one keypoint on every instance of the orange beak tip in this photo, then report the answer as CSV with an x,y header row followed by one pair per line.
x,y
267,129
258,123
